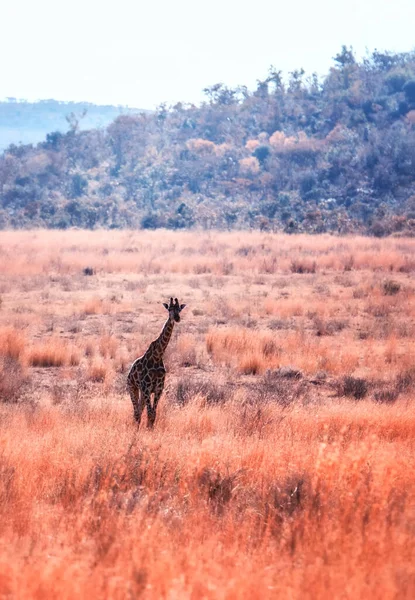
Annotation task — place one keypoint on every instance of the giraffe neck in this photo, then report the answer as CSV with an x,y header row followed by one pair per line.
x,y
162,341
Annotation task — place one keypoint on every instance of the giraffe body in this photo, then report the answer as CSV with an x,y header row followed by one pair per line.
x,y
147,374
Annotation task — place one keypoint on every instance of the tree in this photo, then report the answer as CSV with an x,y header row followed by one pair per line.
x,y
73,120
409,90
345,58
347,64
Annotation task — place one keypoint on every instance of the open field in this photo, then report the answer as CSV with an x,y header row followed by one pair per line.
x,y
282,461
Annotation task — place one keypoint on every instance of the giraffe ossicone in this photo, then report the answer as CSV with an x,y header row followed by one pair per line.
x,y
147,374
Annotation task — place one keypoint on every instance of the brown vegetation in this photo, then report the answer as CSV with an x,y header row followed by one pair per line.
x,y
282,463
335,154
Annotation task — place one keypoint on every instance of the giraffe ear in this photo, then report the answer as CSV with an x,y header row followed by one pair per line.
x,y
182,306
166,306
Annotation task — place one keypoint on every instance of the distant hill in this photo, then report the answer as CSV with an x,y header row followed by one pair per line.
x,y
24,122
304,155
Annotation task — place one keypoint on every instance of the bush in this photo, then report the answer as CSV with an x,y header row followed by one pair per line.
x,y
187,389
390,287
406,380
262,153
12,379
386,396
409,89
395,82
354,387
79,185
303,266
151,221
12,343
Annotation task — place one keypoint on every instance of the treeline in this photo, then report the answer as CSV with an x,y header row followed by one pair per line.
x,y
336,155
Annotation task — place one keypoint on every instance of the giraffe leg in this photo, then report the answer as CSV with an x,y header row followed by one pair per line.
x,y
157,394
141,403
138,402
151,414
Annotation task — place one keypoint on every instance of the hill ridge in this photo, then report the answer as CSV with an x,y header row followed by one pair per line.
x,y
304,155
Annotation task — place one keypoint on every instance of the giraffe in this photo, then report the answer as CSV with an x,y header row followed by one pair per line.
x,y
147,373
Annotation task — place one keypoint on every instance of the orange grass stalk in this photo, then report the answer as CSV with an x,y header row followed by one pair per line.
x,y
53,353
12,343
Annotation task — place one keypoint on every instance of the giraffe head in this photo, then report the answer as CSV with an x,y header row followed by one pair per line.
x,y
174,309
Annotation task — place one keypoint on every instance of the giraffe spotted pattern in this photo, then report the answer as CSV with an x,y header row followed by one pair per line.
x,y
147,373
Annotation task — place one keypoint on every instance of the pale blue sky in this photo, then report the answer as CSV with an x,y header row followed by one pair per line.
x,y
144,53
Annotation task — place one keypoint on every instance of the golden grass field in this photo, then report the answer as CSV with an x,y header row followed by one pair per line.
x,y
282,461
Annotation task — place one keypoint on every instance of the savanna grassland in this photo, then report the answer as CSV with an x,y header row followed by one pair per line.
x,y
282,460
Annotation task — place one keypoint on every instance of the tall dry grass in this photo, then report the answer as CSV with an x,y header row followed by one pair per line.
x,y
12,343
162,252
282,460
53,352
217,502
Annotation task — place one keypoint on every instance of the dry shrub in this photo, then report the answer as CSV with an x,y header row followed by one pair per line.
x,y
280,324
201,146
253,418
380,310
354,387
386,394
50,354
12,343
74,356
108,346
187,389
90,348
53,353
284,386
290,495
405,380
249,165
217,487
58,393
390,287
251,145
286,373
238,347
360,292
251,352
269,265
102,371
12,379
329,326
348,263
303,266
122,361
96,306
97,370
282,143
251,364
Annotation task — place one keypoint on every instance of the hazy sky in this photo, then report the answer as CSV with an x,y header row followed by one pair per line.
x,y
144,53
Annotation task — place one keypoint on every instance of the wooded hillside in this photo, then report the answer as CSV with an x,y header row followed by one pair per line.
x,y
335,155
